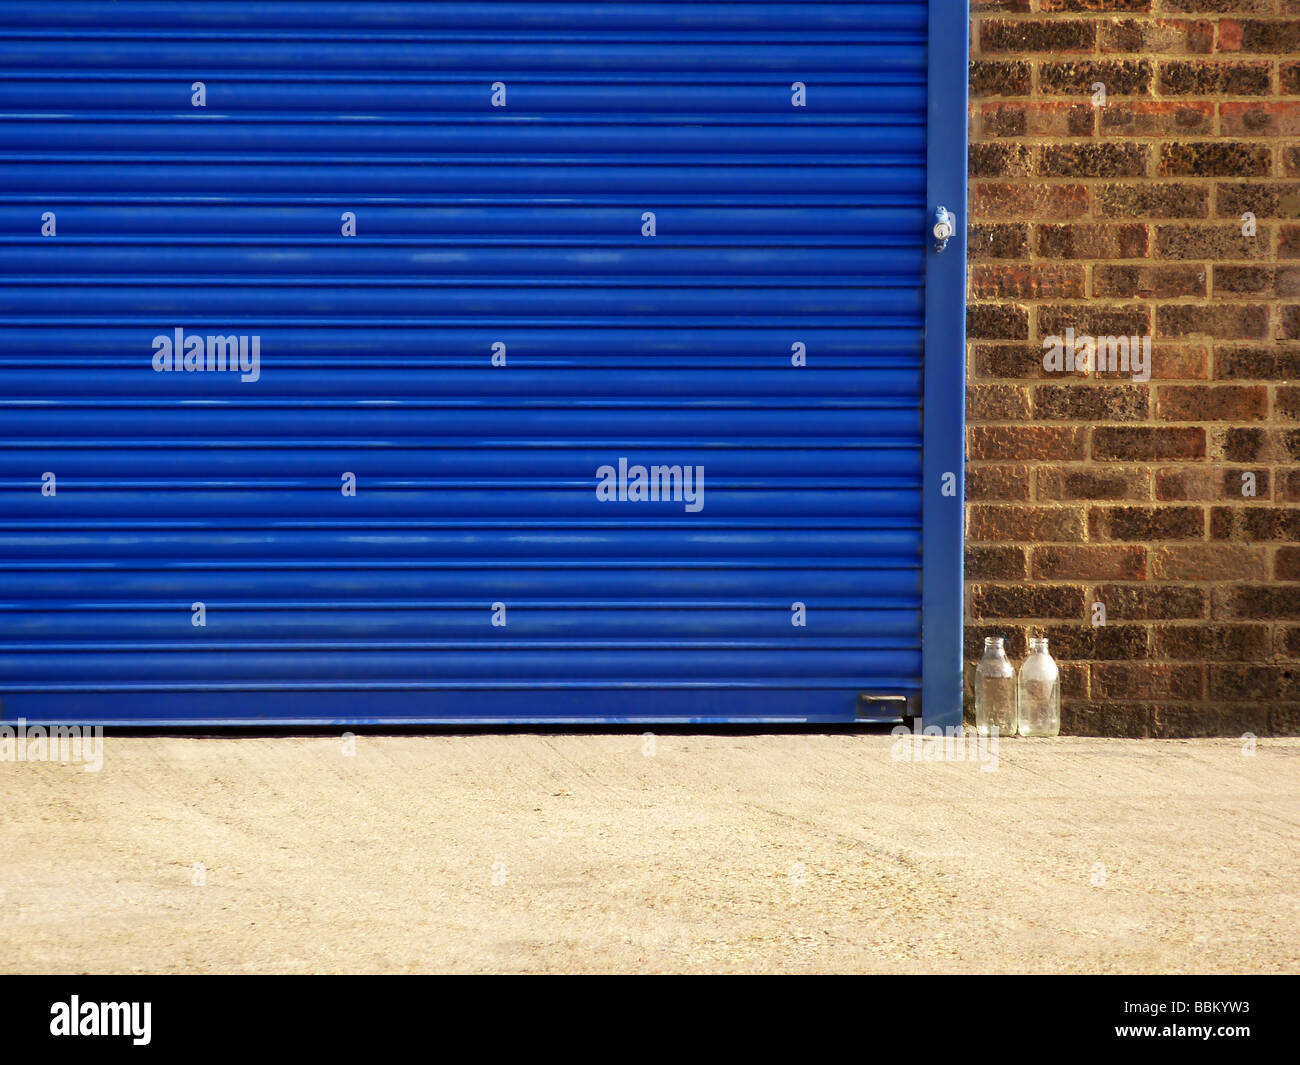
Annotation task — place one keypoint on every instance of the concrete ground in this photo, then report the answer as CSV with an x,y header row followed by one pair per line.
x,y
699,853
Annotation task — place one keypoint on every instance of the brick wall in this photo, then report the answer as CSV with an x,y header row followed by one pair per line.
x,y
1126,218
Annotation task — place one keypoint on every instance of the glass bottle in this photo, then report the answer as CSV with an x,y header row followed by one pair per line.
x,y
1040,693
995,691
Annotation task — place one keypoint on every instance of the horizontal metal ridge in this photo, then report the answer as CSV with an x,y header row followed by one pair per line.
x,y
70,647
902,678
489,57
898,601
351,16
339,117
510,224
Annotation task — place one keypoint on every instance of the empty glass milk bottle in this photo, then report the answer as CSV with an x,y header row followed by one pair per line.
x,y
1040,693
995,691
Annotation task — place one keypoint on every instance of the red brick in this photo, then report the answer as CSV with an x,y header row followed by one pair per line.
x,y
1004,483
1208,562
1125,680
1080,562
1286,564
1217,402
1090,483
1017,524
1259,119
1027,443
1130,443
997,200
1023,281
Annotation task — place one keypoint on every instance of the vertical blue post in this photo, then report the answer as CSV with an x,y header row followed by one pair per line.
x,y
942,540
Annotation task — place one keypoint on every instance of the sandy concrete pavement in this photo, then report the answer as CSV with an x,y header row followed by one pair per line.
x,y
577,853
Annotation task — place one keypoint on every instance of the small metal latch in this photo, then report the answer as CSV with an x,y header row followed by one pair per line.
x,y
873,707
945,225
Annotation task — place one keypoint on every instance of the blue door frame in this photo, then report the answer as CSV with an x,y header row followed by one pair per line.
x,y
945,371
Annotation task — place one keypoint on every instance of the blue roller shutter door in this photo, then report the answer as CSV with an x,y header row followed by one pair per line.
x,y
483,264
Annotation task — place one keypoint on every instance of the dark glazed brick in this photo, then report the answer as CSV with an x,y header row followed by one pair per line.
x,y
1026,601
992,563
1008,360
1094,160
1287,564
1000,78
1112,403
1256,602
999,241
1138,443
1117,7
1288,403
1094,320
1289,75
1146,523
1164,200
1054,35
1290,323
1216,719
1122,77
1215,78
1004,120
991,321
1138,602
1106,719
1122,643
1245,280
1000,160
1254,524
1275,199
1124,680
1273,36
1215,159
1148,282
1254,682
1074,241
1212,643
1057,483
1284,719
1243,445
1183,241
1227,322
